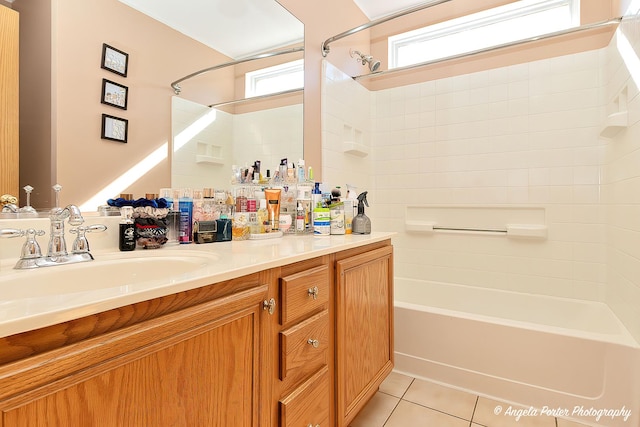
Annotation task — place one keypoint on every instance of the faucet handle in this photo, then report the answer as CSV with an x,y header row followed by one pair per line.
x,y
81,244
31,248
11,232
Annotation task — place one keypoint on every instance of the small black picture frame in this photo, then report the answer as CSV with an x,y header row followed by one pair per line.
x,y
114,60
114,128
114,94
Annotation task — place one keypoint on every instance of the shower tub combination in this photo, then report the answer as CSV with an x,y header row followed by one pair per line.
x,y
537,351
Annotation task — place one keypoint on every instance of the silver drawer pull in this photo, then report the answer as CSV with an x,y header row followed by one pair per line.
x,y
269,305
314,343
313,292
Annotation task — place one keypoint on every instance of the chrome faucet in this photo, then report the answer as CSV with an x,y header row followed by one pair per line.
x,y
57,243
31,256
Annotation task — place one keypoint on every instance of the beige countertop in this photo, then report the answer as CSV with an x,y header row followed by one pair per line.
x,y
31,299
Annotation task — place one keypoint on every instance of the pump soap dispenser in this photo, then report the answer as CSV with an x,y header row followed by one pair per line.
x,y
361,223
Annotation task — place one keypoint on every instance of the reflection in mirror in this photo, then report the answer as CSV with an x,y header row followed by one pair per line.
x,y
60,108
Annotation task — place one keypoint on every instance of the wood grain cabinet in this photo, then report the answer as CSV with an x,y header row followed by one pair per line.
x,y
364,325
195,367
9,100
306,346
221,355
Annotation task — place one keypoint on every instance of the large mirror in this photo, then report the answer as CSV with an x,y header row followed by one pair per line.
x,y
62,75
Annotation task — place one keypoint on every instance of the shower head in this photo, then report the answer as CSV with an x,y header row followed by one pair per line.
x,y
365,59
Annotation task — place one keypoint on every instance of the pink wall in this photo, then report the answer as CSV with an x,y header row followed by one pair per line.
x,y
81,161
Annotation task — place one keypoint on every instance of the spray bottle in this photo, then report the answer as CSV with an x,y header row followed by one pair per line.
x,y
361,223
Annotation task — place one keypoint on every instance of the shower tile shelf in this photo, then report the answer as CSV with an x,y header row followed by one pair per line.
x,y
209,159
354,148
618,117
614,123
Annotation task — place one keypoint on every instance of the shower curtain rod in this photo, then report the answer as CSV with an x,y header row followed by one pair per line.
x,y
592,26
325,44
176,86
256,98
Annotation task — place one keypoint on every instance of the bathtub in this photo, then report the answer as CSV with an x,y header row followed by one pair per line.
x,y
538,351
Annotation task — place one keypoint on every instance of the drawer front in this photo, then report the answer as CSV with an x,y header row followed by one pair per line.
x,y
307,405
304,347
303,292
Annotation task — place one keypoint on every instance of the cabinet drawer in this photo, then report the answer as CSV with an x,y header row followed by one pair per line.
x,y
304,347
307,404
303,292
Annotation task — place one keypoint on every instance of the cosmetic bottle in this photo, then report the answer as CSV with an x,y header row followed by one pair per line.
x,y
126,236
300,222
208,204
185,204
301,172
198,205
321,221
263,218
173,216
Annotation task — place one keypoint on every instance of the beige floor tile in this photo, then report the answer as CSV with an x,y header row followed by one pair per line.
x,y
376,412
409,414
492,413
567,423
440,398
396,384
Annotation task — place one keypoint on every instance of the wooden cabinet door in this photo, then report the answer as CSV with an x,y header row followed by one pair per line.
x,y
364,325
196,367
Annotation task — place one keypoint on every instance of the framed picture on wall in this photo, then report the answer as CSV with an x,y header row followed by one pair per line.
x,y
114,128
114,60
114,94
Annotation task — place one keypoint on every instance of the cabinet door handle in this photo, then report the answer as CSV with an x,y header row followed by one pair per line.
x,y
313,292
269,305
314,343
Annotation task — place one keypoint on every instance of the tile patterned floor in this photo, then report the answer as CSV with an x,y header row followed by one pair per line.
x,y
403,401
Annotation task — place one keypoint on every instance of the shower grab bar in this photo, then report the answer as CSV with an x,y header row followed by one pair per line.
x,y
535,231
257,98
325,44
176,87
585,27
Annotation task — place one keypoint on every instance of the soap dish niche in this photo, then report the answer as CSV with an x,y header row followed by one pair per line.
x,y
353,142
209,153
617,116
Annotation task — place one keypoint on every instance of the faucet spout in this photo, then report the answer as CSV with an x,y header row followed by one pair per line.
x,y
57,242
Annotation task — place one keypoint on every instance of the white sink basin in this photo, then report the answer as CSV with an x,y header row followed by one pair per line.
x,y
126,270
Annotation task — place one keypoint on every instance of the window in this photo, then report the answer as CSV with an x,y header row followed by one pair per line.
x,y
278,78
515,21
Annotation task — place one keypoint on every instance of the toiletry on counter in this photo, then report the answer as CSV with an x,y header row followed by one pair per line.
x,y
204,231
272,196
321,221
126,236
223,229
173,216
361,223
300,219
336,211
185,203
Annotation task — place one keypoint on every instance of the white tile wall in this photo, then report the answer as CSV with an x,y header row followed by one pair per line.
x,y
621,185
265,135
524,135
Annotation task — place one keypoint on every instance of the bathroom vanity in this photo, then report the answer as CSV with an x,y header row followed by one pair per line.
x,y
291,332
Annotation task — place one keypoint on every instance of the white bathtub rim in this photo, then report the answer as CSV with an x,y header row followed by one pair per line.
x,y
623,337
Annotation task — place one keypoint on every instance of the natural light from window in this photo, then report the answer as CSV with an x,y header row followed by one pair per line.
x,y
278,78
516,21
